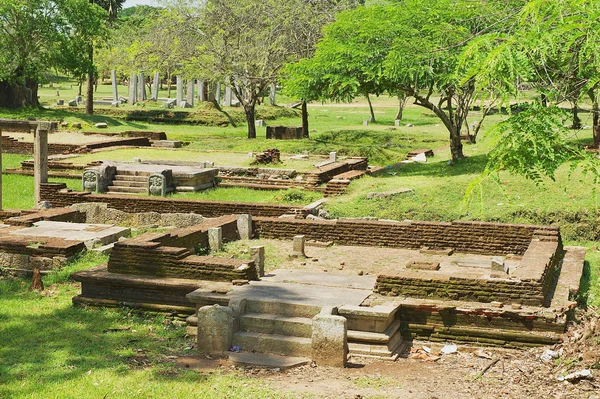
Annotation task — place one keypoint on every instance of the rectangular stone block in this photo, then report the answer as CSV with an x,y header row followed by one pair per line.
x,y
330,340
215,329
215,239
244,225
257,254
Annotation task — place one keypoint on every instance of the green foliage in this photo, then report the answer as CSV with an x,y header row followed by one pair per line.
x,y
533,143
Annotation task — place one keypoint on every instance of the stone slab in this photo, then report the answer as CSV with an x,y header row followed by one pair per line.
x,y
265,360
321,279
88,233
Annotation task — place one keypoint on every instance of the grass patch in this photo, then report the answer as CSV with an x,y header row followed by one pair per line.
x,y
240,194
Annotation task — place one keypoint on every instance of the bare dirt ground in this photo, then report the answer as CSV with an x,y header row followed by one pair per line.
x,y
471,372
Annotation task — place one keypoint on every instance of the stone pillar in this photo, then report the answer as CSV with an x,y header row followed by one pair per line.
x,y
190,92
272,92
257,254
228,96
333,156
298,248
40,156
141,83
244,225
155,86
329,340
215,239
218,93
133,88
179,90
201,96
215,329
115,87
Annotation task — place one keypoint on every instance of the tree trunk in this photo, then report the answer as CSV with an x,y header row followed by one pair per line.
x,y
249,111
89,101
80,87
305,132
400,111
370,108
576,119
544,100
596,124
456,146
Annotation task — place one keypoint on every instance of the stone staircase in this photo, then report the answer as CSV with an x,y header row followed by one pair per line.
x,y
274,327
129,182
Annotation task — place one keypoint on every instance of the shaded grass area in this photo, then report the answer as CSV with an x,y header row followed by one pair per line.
x,y
50,349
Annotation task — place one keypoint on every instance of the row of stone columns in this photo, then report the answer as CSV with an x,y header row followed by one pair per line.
x,y
137,90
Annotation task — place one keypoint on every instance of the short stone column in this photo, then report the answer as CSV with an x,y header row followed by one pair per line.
x,y
298,247
272,92
333,156
244,225
40,164
155,86
190,92
329,340
115,85
215,329
215,239
257,254
179,90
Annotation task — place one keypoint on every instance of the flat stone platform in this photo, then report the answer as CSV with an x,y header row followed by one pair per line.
x,y
90,234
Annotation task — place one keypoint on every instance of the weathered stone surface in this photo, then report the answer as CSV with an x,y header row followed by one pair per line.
x,y
101,125
298,246
244,225
257,254
388,194
329,340
215,239
72,103
215,329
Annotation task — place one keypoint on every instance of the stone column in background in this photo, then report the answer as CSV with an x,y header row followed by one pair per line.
x,y
141,86
115,87
190,92
40,157
201,96
273,91
218,93
133,88
228,96
155,86
179,96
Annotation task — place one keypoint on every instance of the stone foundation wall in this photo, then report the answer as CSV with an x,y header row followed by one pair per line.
x,y
171,254
462,236
58,195
13,146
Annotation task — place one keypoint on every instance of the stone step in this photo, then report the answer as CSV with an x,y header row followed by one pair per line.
x,y
133,173
131,178
265,360
374,337
273,343
282,308
129,183
276,324
131,190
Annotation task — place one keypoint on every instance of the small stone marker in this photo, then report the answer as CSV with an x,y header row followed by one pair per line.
x,y
72,103
76,125
366,123
115,87
333,156
298,247
329,340
60,102
244,225
397,122
257,254
259,123
423,265
101,125
215,239
215,329
57,93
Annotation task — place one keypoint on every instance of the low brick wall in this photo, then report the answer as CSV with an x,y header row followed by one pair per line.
x,y
171,254
58,195
13,146
462,236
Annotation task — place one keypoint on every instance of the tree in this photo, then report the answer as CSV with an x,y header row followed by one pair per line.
x,y
410,48
33,36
